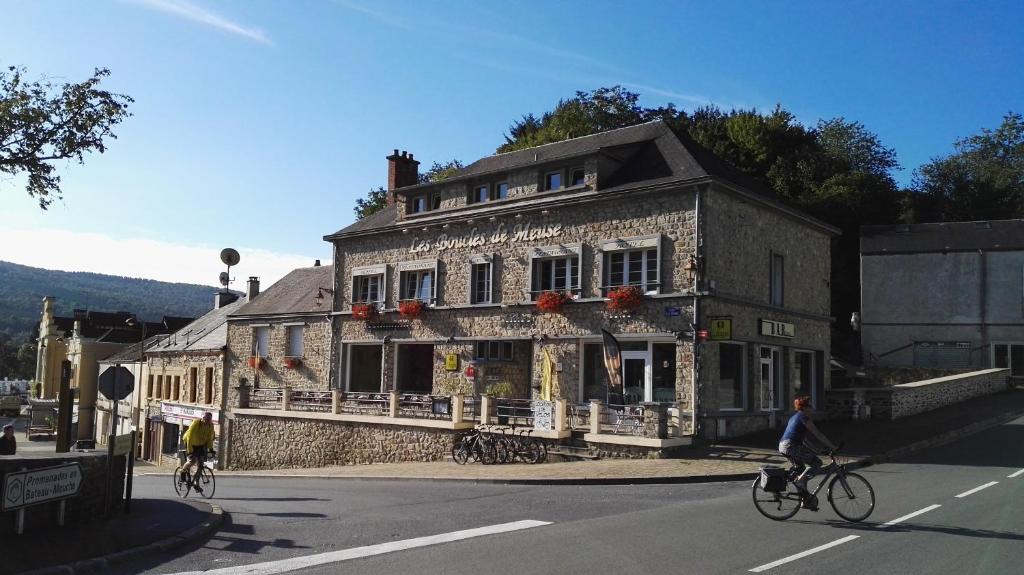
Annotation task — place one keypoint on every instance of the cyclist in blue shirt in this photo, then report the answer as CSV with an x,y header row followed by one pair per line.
x,y
792,443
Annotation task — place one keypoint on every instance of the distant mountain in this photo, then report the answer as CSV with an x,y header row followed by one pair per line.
x,y
22,289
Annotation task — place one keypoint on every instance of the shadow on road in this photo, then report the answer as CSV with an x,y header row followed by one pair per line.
x,y
271,499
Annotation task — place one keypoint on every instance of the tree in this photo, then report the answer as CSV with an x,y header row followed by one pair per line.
x,y
42,123
982,180
599,111
377,199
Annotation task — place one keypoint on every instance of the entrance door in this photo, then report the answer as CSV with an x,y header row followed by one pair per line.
x,y
364,369
770,374
806,380
636,377
415,368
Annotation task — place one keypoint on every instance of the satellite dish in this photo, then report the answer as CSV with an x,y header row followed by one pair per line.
x,y
229,256
224,279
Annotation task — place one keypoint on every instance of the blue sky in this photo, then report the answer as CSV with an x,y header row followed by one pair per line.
x,y
258,123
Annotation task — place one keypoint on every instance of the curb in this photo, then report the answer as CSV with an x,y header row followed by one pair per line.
x,y
102,564
857,462
948,437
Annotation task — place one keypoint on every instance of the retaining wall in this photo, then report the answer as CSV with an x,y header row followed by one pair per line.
x,y
916,397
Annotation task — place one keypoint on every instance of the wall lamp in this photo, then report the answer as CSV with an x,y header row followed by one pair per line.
x,y
320,294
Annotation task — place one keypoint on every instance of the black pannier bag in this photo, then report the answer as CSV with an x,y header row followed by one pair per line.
x,y
773,479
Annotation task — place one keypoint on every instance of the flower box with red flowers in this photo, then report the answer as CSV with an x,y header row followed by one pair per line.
x,y
292,362
364,311
411,308
257,362
552,301
625,298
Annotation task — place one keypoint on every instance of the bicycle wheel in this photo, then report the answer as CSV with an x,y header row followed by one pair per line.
x,y
529,451
776,506
206,481
460,453
485,452
180,487
851,496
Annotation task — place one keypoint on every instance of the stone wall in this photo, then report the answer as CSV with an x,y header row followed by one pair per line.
x,y
270,442
912,398
87,507
314,372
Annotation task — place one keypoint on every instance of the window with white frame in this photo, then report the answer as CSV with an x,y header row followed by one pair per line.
x,y
555,268
418,281
368,284
481,279
261,340
500,191
732,378
577,176
632,262
295,341
494,350
777,279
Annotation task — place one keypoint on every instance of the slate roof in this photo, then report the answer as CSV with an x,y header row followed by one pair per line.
x,y
649,152
292,294
209,332
131,353
942,237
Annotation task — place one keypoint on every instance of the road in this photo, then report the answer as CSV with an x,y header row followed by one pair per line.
x,y
968,498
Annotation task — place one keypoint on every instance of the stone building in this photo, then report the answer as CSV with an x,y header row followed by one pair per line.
x,y
278,350
944,295
439,292
183,377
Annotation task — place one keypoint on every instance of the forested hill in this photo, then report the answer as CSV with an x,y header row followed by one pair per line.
x,y
22,289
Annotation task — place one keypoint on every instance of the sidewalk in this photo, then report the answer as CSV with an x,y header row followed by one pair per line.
x,y
163,524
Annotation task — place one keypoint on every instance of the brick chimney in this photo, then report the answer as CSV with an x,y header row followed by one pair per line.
x,y
403,171
252,288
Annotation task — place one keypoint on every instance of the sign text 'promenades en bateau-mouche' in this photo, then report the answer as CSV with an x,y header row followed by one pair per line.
x,y
502,234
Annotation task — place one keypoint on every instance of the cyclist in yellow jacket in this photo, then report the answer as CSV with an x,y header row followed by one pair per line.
x,y
198,442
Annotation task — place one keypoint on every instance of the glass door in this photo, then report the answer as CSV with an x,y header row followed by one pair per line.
x,y
636,377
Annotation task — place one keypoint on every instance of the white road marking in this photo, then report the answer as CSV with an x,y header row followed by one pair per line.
x,y
295,563
803,554
977,489
909,516
1015,473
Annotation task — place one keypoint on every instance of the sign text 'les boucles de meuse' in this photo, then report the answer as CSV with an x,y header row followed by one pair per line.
x,y
502,234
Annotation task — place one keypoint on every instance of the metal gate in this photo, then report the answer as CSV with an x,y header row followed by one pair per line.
x,y
942,354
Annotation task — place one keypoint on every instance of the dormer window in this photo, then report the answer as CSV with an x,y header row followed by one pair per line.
x,y
488,192
435,201
553,181
576,177
417,204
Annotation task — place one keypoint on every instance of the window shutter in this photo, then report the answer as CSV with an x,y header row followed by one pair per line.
x,y
490,272
433,284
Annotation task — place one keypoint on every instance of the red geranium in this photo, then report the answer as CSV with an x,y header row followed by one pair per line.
x,y
551,301
625,298
257,361
365,311
292,362
411,308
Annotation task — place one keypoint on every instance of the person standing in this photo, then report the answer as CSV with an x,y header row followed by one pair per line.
x,y
8,445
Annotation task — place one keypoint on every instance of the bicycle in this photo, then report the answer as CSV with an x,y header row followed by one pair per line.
x,y
474,444
777,497
202,480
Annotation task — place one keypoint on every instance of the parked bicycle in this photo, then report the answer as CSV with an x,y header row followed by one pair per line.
x,y
202,480
474,445
778,498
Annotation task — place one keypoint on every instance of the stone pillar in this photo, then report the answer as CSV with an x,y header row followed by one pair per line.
x,y
243,395
285,399
655,420
393,404
335,402
485,410
560,419
595,416
458,401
